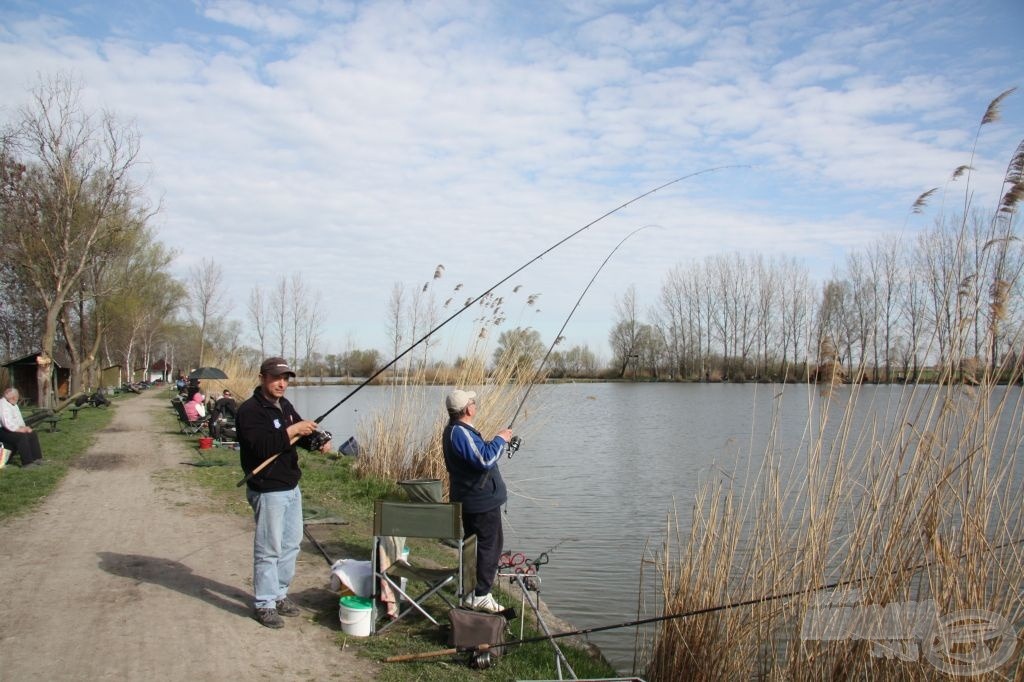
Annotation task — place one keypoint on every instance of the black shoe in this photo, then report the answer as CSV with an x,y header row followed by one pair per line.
x,y
286,607
268,618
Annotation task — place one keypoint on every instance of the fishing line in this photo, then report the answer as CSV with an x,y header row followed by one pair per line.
x,y
473,301
516,441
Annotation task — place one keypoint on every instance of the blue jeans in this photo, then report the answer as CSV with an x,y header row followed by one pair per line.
x,y
276,543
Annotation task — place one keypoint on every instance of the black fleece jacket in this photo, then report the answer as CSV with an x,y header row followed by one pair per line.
x,y
262,430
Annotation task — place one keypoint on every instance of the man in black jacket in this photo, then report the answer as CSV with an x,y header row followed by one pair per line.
x,y
269,428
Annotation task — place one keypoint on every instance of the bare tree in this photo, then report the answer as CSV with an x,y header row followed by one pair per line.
x,y
796,307
833,322
767,295
207,298
279,313
66,189
258,313
675,314
884,259
624,335
312,327
298,310
396,317
861,312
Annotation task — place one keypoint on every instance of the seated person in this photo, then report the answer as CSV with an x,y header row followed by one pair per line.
x,y
15,434
195,408
225,406
222,416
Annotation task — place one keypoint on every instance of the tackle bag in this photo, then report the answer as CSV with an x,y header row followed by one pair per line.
x,y
473,628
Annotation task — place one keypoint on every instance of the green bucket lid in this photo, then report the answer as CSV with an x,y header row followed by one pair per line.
x,y
355,603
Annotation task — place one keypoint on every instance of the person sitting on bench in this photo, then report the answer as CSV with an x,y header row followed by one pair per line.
x,y
17,435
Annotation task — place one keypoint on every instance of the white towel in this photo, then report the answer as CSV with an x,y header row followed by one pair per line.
x,y
353,574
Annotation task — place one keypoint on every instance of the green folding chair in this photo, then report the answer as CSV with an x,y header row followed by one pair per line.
x,y
442,521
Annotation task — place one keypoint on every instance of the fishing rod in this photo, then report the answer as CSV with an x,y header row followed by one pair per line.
x,y
473,301
517,441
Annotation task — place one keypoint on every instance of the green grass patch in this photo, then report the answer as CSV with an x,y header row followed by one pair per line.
x,y
21,490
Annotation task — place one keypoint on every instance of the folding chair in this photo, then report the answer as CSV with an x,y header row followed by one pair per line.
x,y
420,520
187,426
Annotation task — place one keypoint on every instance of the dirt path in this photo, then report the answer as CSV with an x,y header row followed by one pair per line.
x,y
121,575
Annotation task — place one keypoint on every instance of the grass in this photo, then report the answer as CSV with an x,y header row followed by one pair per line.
x,y
21,490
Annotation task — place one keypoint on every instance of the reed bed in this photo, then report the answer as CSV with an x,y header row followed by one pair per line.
x,y
926,511
891,548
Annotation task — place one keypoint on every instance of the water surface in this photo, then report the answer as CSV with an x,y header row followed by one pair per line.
x,y
603,466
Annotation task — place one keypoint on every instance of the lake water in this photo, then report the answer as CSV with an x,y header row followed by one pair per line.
x,y
603,465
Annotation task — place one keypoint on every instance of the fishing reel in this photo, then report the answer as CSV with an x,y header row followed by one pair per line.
x,y
480,660
513,445
318,439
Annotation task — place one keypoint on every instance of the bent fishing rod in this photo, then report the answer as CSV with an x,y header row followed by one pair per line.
x,y
517,441
494,286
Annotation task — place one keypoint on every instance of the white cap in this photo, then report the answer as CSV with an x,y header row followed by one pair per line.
x,y
457,400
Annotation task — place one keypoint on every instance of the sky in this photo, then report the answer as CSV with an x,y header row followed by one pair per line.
x,y
363,144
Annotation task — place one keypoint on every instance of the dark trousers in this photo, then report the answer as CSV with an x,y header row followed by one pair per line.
x,y
490,537
26,445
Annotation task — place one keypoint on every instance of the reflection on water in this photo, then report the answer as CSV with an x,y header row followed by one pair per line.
x,y
602,466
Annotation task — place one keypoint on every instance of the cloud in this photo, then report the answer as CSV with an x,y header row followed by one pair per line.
x,y
257,17
366,142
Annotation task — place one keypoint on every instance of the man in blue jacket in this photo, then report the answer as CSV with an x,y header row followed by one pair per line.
x,y
475,481
269,428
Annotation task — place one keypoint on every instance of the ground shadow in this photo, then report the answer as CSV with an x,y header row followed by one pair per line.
x,y
322,602
177,576
339,549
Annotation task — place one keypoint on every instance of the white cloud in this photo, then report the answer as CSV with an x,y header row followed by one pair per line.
x,y
374,140
254,16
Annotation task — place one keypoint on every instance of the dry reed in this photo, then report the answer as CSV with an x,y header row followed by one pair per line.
x,y
926,510
918,507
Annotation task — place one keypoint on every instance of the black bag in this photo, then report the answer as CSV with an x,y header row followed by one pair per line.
x,y
470,629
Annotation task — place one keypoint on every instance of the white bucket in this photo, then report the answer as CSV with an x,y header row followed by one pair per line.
x,y
356,615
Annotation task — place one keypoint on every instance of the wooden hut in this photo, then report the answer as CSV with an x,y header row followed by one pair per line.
x,y
111,376
22,373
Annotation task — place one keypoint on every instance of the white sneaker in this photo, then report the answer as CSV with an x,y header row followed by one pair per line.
x,y
484,603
